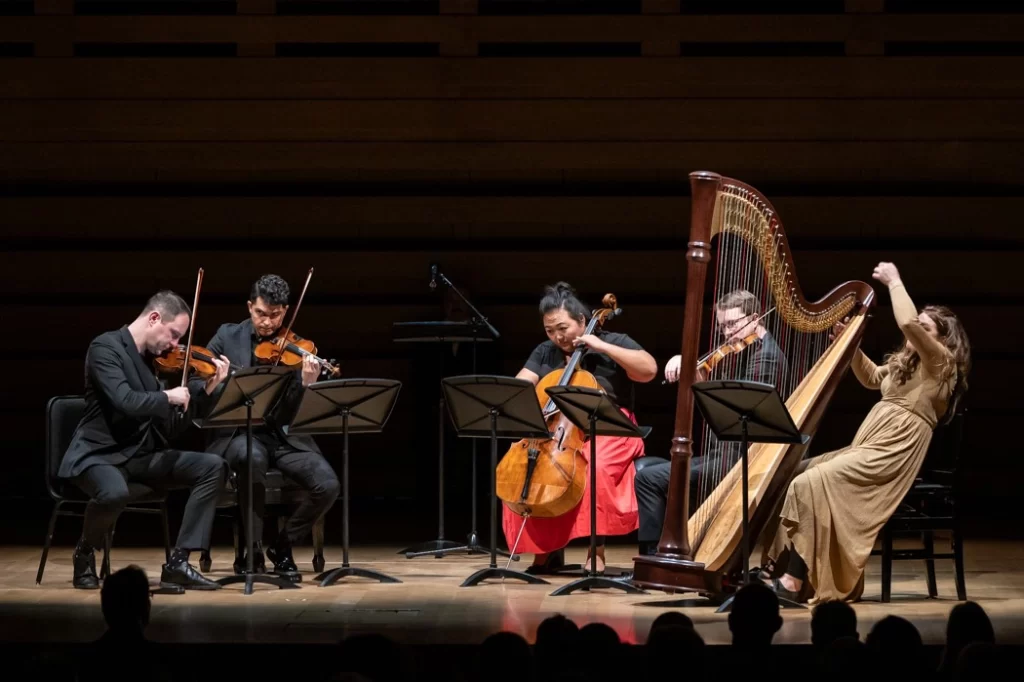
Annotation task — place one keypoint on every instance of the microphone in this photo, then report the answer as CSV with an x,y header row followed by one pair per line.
x,y
433,276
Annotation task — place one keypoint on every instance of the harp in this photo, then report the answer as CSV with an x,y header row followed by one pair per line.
x,y
736,231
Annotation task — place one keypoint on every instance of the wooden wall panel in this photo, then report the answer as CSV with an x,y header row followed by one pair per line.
x,y
877,135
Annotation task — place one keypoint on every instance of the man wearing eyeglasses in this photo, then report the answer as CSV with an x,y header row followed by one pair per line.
x,y
738,317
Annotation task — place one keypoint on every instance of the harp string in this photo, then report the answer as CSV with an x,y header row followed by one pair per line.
x,y
748,257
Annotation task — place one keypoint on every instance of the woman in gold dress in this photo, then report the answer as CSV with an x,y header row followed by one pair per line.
x,y
834,510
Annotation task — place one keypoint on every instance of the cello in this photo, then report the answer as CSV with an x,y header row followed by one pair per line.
x,y
546,478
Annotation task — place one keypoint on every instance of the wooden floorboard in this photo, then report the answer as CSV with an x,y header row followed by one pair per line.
x,y
429,606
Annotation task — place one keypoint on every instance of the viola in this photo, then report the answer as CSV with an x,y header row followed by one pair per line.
x,y
289,349
546,478
200,363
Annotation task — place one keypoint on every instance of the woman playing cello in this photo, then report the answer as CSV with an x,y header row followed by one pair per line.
x,y
613,359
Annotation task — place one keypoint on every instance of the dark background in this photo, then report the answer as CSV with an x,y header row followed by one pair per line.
x,y
516,144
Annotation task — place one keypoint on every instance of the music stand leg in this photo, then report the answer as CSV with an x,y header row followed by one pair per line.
x,y
595,580
332,576
250,576
727,604
493,571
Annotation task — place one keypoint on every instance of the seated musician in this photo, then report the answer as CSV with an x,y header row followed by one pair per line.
x,y
614,359
738,315
298,457
834,510
121,446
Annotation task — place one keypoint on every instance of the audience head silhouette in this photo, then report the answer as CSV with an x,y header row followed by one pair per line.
x,y
896,646
832,620
125,600
670,618
512,651
845,658
967,623
754,618
669,644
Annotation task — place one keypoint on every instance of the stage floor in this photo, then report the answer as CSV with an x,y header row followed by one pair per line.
x,y
429,606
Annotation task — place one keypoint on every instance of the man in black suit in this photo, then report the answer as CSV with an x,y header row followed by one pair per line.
x,y
298,457
738,315
121,446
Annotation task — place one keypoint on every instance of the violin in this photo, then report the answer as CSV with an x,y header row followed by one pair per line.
x,y
200,363
546,478
711,360
290,348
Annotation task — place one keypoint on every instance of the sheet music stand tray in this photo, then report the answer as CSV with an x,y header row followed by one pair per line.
x,y
593,411
748,412
248,395
483,406
346,406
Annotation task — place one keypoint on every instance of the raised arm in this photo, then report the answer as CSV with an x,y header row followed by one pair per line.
x,y
108,375
933,354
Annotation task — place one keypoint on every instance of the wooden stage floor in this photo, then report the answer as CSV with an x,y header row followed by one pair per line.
x,y
429,606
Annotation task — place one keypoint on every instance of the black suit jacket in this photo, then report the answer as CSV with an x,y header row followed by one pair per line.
x,y
126,410
235,341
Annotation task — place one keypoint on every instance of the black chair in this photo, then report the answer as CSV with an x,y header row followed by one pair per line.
x,y
62,416
930,506
280,497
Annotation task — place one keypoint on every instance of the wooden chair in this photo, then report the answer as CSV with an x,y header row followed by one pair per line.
x,y
930,506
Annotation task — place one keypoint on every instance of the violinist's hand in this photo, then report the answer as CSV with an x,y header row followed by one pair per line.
x,y
178,396
591,342
887,274
223,365
838,329
672,369
310,370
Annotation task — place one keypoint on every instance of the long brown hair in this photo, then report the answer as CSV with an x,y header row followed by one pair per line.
x,y
903,362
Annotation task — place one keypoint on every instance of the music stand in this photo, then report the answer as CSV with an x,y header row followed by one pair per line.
x,y
586,408
483,406
748,412
247,397
443,332
346,406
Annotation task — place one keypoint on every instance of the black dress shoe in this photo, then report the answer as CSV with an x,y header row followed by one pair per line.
x,y
551,566
85,569
284,564
182,574
241,565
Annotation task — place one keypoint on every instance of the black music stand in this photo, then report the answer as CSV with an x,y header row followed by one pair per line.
x,y
247,397
586,408
748,412
346,406
444,332
485,406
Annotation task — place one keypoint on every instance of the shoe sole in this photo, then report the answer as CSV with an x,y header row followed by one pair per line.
x,y
204,588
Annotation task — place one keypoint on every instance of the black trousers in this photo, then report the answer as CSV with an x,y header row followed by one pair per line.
x,y
111,488
306,468
651,486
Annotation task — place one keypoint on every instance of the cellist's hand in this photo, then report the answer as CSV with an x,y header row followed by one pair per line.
x,y
591,342
672,369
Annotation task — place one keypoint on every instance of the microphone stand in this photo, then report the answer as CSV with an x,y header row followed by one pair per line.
x,y
472,545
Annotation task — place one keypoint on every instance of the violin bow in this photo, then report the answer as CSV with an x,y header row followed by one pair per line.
x,y
288,331
191,329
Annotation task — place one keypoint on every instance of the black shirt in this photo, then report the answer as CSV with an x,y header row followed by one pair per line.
x,y
548,357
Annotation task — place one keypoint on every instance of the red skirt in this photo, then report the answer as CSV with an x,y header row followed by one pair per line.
x,y
616,501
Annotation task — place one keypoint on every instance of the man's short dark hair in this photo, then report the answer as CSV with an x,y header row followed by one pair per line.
x,y
272,289
168,304
125,598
